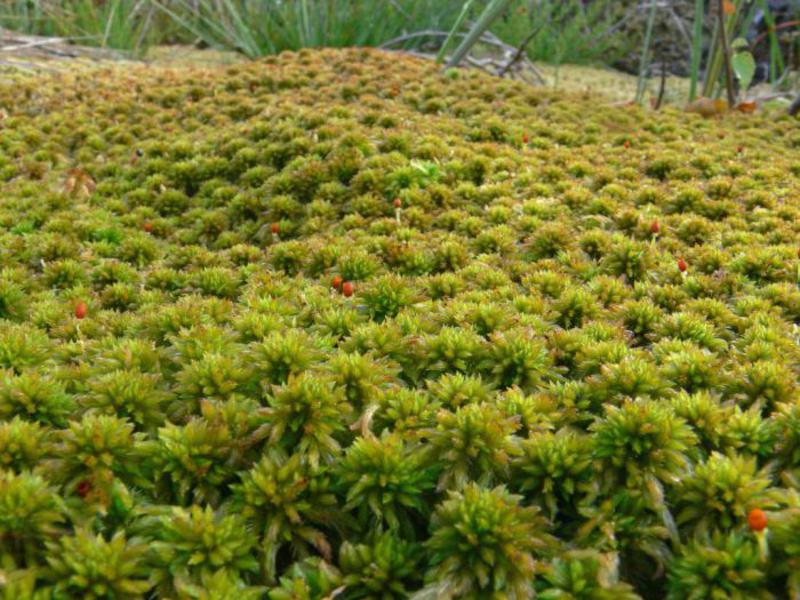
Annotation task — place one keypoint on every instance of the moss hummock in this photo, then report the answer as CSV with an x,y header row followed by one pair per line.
x,y
338,324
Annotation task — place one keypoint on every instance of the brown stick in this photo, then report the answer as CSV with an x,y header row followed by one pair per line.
x,y
663,86
520,50
726,56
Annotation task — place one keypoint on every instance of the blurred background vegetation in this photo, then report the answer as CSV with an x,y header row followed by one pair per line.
x,y
652,39
573,31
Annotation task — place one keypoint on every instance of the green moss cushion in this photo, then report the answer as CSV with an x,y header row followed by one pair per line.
x,y
338,324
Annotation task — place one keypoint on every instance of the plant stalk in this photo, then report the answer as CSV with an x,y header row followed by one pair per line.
x,y
716,59
456,26
776,64
487,17
726,55
645,59
697,47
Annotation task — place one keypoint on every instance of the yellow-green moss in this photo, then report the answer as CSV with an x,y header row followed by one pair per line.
x,y
353,324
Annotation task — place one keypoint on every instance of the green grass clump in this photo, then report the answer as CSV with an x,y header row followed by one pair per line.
x,y
336,324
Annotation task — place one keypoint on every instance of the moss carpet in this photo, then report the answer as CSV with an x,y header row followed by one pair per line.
x,y
337,324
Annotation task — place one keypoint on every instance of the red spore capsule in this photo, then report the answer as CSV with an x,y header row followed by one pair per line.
x,y
757,520
80,310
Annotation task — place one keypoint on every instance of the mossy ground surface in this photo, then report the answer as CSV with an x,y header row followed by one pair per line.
x,y
568,365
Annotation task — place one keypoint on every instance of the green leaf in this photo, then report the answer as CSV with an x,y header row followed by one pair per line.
x,y
745,67
739,44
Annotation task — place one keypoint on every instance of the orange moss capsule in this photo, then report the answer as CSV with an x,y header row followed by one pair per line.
x,y
757,520
347,289
80,310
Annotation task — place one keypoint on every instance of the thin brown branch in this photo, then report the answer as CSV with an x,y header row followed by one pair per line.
x,y
520,50
662,86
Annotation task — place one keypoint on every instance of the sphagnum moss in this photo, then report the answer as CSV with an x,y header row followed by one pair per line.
x,y
334,324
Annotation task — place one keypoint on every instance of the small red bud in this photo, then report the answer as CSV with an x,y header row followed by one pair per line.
x,y
627,143
682,266
740,149
275,228
525,139
655,227
80,310
757,520
83,488
398,203
347,289
336,282
148,227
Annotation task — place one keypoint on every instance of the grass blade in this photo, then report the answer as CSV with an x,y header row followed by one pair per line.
x,y
644,63
456,26
776,65
697,47
485,20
